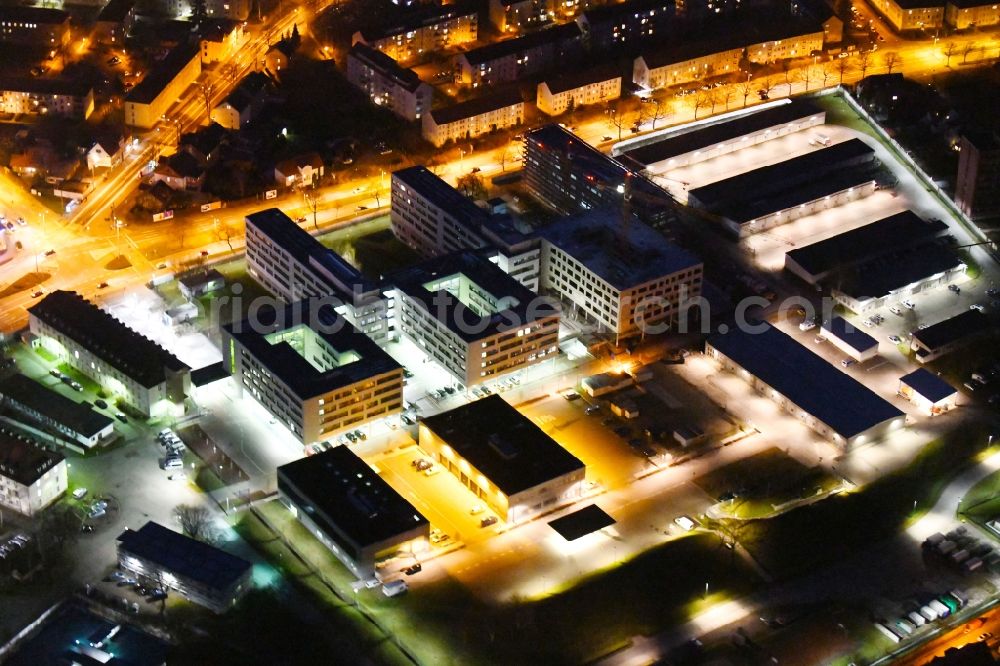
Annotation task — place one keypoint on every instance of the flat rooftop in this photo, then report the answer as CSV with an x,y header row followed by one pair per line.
x,y
183,556
116,344
507,447
343,278
928,385
162,73
582,522
459,273
289,340
76,416
965,325
624,256
699,138
795,195
841,402
867,242
776,179
844,331
350,497
22,460
885,274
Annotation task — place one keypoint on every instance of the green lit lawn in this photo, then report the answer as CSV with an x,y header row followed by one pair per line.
x,y
982,503
441,623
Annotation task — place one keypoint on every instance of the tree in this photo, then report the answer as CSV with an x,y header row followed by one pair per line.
x,y
701,100
788,75
726,94
616,119
472,186
864,62
949,51
824,73
195,521
967,49
654,110
842,68
746,88
891,60
224,231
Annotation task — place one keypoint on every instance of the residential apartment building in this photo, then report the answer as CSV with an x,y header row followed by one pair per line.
x,y
293,265
146,104
311,370
426,30
433,218
387,84
784,40
46,410
632,22
126,364
512,16
685,63
625,277
503,458
977,188
906,15
571,176
472,318
510,60
476,117
34,27
351,509
568,91
208,576
220,39
31,478
115,21
235,10
965,14
69,98
244,102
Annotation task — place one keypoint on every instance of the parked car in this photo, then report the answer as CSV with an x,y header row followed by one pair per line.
x,y
909,305
955,288
395,588
487,521
100,404
895,339
79,493
415,568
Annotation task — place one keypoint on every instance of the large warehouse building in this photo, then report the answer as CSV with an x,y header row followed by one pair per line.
x,y
706,142
780,193
818,261
313,371
829,401
351,509
475,320
504,458
628,279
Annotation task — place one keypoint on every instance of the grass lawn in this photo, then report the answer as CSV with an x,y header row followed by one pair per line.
x,y
764,481
442,623
982,503
808,537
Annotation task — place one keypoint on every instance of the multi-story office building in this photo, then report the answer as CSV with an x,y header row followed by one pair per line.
x,y
977,188
293,265
964,14
631,22
503,458
906,15
662,68
125,363
427,30
351,510
571,176
516,15
472,318
146,104
625,277
34,26
474,117
510,60
433,218
387,84
71,98
313,371
202,574
568,91
31,478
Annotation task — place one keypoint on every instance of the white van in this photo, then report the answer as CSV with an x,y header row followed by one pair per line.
x,y
173,463
394,588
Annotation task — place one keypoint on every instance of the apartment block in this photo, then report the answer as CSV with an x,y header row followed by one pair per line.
x,y
34,27
70,98
472,318
511,16
31,477
293,265
146,104
510,60
476,117
685,63
977,188
965,14
906,15
426,30
631,22
434,218
125,363
565,92
387,84
311,370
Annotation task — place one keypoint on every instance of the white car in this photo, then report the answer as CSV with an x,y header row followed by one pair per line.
x,y
977,306
79,493
685,523
895,310
394,588
909,305
895,339
807,325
